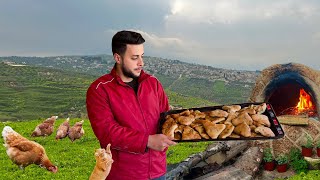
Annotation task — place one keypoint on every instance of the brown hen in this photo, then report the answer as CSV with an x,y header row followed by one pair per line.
x,y
24,152
45,128
76,131
63,129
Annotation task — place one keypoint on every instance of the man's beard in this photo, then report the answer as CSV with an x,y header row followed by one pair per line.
x,y
127,72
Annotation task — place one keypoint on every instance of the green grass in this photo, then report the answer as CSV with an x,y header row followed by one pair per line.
x,y
74,160
310,175
179,100
218,91
182,151
30,92
33,92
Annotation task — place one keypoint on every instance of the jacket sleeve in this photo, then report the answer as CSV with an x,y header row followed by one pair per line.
x,y
107,130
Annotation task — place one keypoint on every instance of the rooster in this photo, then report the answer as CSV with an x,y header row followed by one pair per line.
x,y
63,129
24,152
76,131
45,128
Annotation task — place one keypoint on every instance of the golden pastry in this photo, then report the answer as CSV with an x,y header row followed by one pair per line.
x,y
218,113
231,108
189,133
261,119
264,131
213,130
243,129
227,131
168,127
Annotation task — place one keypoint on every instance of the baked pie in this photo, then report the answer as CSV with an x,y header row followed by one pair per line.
x,y
230,121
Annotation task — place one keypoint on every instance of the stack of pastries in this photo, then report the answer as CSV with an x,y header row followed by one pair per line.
x,y
228,122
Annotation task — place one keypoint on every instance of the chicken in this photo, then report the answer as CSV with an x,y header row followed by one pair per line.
x,y
103,164
24,152
63,129
45,128
76,131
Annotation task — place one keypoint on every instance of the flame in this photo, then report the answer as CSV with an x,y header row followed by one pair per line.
x,y
304,101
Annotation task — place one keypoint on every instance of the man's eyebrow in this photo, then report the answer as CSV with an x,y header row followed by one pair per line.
x,y
137,55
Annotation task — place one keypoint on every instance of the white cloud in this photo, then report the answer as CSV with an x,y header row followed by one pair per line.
x,y
153,40
233,11
222,33
161,42
232,55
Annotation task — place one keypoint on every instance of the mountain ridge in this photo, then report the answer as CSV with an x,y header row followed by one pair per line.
x,y
33,87
101,64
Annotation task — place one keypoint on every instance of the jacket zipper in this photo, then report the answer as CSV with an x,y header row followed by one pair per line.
x,y
137,96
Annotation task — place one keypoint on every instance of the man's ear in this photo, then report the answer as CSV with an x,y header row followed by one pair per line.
x,y
117,58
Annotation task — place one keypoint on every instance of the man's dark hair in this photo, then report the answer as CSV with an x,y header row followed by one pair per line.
x,y
122,38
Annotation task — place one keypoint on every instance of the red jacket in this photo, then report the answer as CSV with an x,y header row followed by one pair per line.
x,y
125,119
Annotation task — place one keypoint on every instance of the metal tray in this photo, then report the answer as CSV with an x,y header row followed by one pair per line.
x,y
275,125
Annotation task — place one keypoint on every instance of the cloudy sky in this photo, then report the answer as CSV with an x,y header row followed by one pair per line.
x,y
232,34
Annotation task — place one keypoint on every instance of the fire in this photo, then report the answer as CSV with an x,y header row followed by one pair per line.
x,y
304,101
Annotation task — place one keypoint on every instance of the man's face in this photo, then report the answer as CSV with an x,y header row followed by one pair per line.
x,y
132,61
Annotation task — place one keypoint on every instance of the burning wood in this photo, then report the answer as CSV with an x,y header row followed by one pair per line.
x,y
303,107
305,102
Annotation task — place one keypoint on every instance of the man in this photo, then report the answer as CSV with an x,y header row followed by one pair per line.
x,y
124,109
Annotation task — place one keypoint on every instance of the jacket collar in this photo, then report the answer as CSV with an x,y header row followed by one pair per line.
x,y
142,76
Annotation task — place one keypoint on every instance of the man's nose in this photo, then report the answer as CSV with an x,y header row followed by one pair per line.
x,y
140,62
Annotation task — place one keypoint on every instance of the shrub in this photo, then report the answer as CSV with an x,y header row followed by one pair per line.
x,y
282,159
313,174
295,154
318,144
267,155
297,163
299,166
309,142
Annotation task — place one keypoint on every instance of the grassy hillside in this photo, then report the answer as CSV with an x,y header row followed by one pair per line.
x,y
222,86
74,160
179,100
218,91
28,92
33,92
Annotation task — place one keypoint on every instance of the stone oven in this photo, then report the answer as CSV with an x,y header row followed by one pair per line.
x,y
282,85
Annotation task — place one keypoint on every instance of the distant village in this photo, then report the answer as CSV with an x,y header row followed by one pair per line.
x,y
101,64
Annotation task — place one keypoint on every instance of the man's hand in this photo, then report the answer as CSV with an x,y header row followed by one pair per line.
x,y
159,142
